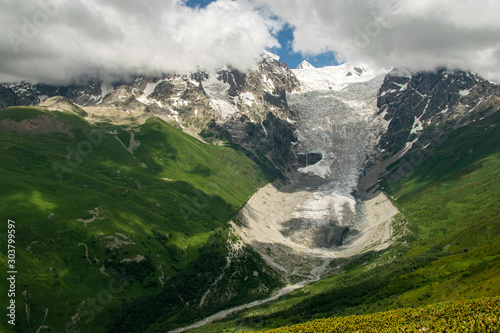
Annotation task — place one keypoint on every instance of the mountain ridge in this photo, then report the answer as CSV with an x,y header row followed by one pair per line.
x,y
337,140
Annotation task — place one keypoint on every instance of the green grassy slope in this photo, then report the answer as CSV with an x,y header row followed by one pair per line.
x,y
161,200
450,249
481,315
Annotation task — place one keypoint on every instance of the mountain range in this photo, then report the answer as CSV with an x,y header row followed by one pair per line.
x,y
155,202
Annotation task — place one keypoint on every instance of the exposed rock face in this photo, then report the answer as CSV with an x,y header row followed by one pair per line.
x,y
430,102
88,93
308,158
21,93
9,98
254,108
26,93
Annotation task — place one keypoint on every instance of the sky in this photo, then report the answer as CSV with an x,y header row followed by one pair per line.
x,y
61,41
285,49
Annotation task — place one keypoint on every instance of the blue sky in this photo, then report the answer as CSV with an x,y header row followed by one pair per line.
x,y
293,59
285,38
198,3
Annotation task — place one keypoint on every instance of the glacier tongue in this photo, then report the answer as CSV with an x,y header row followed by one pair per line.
x,y
343,125
296,227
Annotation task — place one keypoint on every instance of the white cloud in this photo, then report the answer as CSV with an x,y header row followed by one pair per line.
x,y
67,39
60,39
419,34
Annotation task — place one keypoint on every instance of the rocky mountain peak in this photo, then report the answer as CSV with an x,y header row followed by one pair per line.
x,y
268,56
429,102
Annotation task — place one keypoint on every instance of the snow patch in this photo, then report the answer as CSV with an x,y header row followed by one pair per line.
x,y
269,55
223,108
321,169
417,126
106,88
42,98
464,92
247,98
268,83
407,147
179,102
445,110
390,91
219,99
264,128
402,87
150,87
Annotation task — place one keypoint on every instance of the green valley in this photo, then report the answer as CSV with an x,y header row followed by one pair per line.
x,y
107,213
448,247
216,166
173,203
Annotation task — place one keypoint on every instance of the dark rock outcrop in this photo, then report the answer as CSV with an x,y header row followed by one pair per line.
x,y
420,103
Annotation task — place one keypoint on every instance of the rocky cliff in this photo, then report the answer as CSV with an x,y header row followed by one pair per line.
x,y
428,105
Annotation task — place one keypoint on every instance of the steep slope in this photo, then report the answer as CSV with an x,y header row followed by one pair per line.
x,y
107,213
427,106
304,64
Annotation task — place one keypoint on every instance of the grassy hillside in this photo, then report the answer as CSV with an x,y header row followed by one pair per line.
x,y
479,315
106,214
450,248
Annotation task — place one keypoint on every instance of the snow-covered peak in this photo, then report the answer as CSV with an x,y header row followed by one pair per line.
x,y
304,64
335,77
269,55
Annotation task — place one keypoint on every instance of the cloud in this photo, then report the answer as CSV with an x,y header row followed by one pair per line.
x,y
419,35
58,40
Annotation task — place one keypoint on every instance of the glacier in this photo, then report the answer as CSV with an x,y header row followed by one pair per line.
x,y
301,225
